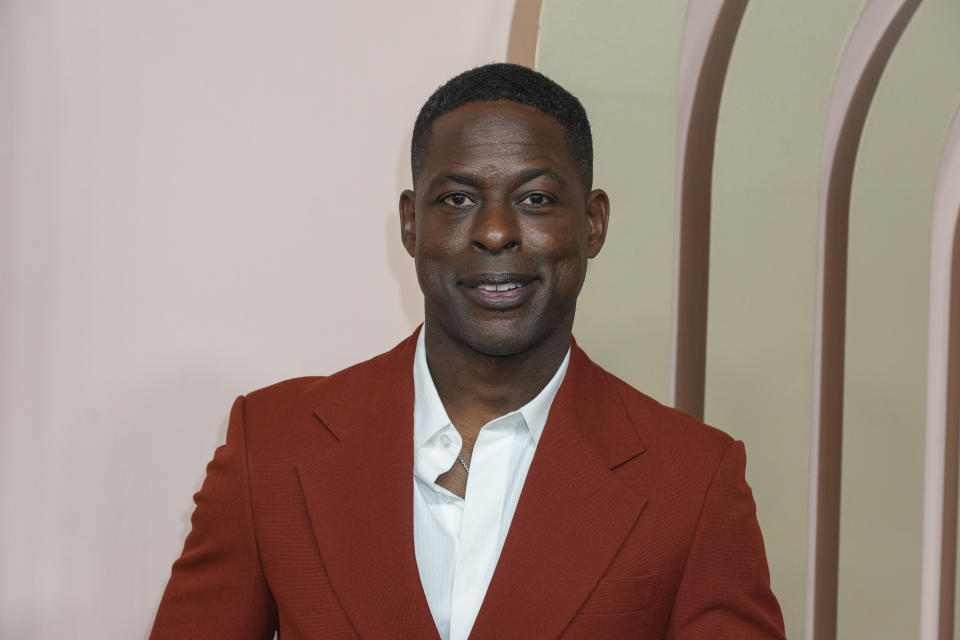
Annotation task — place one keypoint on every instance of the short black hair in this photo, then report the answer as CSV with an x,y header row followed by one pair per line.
x,y
504,81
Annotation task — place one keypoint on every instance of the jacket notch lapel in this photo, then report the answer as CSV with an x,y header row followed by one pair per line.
x,y
574,513
359,495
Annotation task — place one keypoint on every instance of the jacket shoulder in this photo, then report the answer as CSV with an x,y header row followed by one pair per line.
x,y
668,429
298,399
287,391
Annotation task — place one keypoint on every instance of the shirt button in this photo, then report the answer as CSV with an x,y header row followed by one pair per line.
x,y
445,441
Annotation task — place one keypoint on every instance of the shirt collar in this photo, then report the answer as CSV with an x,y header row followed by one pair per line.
x,y
429,415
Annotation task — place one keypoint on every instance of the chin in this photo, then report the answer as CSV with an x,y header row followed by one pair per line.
x,y
497,335
496,346
501,339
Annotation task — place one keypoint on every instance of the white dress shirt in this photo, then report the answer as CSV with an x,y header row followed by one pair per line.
x,y
458,541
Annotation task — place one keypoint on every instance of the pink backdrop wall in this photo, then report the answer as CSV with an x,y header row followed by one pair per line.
x,y
198,198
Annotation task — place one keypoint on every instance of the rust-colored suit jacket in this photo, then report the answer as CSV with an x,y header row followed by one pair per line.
x,y
635,521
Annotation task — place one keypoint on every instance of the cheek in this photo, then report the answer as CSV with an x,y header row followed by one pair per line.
x,y
570,276
565,253
438,238
435,263
563,246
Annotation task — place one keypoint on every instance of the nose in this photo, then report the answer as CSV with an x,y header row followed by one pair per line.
x,y
496,228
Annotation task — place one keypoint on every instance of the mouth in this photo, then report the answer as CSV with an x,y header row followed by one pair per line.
x,y
499,291
494,288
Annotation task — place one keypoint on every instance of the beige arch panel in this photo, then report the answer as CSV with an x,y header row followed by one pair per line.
x,y
943,402
709,34
873,39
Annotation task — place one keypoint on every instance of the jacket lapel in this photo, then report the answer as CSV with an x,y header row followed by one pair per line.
x,y
573,515
359,494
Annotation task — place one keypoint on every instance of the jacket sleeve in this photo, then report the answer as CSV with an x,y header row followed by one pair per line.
x,y
725,588
217,588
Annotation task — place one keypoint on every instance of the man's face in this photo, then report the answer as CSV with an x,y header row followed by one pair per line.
x,y
501,227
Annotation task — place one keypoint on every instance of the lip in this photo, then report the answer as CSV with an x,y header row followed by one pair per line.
x,y
499,291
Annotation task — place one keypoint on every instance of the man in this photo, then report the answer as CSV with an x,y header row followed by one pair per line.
x,y
484,478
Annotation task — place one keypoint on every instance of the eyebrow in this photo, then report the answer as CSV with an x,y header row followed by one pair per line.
x,y
457,178
521,177
529,174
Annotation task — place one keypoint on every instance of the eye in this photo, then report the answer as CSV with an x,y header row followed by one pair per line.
x,y
536,200
458,200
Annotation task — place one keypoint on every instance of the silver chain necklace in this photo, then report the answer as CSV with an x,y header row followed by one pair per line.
x,y
463,464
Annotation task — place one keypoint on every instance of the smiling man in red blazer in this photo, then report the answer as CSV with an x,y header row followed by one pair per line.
x,y
483,479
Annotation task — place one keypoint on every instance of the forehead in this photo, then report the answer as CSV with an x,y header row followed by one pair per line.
x,y
496,133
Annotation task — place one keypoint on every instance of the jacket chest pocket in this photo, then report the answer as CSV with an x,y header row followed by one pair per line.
x,y
621,594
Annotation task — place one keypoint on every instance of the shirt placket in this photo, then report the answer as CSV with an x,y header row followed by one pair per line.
x,y
476,553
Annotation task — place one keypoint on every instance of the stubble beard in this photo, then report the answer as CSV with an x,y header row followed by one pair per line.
x,y
499,338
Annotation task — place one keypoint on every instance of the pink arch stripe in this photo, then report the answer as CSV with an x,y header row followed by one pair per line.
x,y
943,402
873,39
708,38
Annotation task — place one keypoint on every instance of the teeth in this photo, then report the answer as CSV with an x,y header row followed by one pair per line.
x,y
507,286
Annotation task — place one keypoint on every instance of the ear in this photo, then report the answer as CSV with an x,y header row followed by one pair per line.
x,y
408,221
598,215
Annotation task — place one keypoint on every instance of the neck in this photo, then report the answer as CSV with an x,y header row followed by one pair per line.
x,y
476,388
